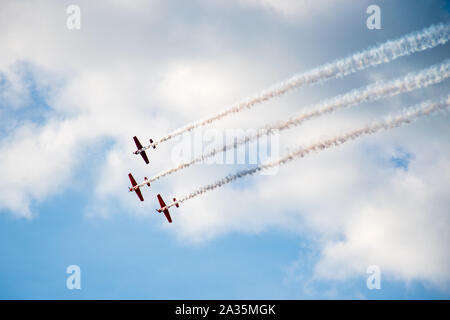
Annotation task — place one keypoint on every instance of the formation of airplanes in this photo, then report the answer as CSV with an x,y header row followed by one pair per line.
x,y
135,187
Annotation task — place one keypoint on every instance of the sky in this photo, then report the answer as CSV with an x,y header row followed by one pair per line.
x,y
72,99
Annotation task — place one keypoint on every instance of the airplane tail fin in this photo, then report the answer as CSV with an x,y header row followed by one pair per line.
x,y
176,205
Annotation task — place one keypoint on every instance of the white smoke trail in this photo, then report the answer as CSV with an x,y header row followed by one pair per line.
x,y
379,90
406,117
414,42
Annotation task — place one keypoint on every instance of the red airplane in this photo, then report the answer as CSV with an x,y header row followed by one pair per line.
x,y
166,210
135,188
140,149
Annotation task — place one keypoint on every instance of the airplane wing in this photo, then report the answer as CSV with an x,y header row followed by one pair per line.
x,y
166,211
138,144
161,201
133,182
139,194
144,156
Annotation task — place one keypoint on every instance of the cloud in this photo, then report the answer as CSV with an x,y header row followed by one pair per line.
x,y
14,88
404,238
359,211
36,162
149,72
306,9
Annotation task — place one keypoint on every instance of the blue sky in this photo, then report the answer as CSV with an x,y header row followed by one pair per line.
x,y
72,100
125,258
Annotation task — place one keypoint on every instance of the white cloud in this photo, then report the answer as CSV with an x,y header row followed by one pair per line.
x,y
14,88
305,9
36,162
135,76
399,228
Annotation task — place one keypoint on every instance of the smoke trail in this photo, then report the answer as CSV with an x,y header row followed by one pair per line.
x,y
406,117
414,42
379,90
